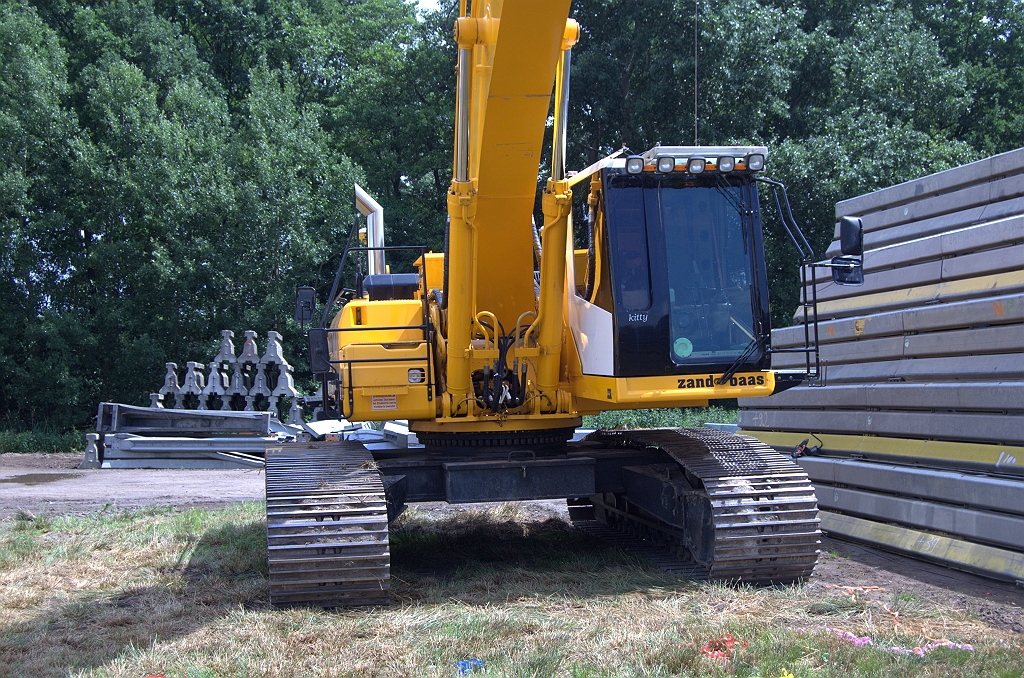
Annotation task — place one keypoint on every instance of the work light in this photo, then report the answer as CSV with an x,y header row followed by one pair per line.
x,y
696,165
666,165
755,162
726,164
634,164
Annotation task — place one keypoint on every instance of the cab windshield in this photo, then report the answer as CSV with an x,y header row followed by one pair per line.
x,y
710,271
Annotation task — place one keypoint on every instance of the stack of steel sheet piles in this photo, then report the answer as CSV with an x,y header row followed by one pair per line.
x,y
921,420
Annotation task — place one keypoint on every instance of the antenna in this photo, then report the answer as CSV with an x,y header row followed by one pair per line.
x,y
696,15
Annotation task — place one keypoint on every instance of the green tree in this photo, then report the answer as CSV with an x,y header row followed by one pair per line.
x,y
38,143
985,39
395,116
890,115
179,213
633,74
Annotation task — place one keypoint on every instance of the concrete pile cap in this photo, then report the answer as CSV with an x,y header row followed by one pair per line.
x,y
170,380
274,354
250,353
227,348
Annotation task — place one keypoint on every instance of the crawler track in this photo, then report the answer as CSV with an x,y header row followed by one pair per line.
x,y
327,526
752,517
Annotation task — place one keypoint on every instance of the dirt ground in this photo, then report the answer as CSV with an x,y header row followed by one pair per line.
x,y
51,483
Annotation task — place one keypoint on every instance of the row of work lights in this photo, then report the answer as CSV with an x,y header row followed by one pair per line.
x,y
696,165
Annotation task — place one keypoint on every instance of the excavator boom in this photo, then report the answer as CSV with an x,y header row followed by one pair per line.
x,y
510,101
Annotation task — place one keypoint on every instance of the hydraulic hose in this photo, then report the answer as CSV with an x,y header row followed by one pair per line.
x,y
591,260
443,301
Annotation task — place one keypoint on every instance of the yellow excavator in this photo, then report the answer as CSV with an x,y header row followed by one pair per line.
x,y
494,349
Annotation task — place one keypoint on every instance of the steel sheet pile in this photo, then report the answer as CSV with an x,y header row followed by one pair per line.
x,y
921,419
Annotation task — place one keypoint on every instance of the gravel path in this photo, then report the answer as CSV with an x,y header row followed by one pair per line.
x,y
52,483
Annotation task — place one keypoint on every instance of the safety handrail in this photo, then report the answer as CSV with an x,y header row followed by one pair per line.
x,y
425,326
803,246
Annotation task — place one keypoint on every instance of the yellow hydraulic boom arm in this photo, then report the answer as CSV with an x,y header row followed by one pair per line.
x,y
508,57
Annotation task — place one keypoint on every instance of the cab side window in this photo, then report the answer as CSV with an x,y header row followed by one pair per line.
x,y
631,275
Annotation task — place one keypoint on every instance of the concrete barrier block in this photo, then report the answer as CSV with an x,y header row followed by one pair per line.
x,y
977,396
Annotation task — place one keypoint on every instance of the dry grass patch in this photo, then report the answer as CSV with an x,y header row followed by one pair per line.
x,y
184,594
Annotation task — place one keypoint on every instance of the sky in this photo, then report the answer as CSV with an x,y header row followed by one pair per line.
x,y
426,5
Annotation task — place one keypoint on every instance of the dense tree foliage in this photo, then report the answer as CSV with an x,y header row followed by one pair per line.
x,y
169,168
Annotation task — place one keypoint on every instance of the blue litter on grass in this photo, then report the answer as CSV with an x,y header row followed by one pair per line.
x,y
469,665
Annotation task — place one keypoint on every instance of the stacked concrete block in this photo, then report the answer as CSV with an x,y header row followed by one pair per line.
x,y
192,433
170,388
245,382
194,381
924,363
216,386
285,387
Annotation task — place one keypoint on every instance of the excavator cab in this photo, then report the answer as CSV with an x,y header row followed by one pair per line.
x,y
678,285
686,271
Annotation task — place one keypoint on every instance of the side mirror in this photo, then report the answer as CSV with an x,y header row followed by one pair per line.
x,y
847,270
305,305
851,236
319,353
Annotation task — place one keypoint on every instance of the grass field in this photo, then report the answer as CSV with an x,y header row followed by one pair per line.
x,y
40,441
183,594
662,418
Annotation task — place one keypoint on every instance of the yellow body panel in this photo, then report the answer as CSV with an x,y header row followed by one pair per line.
x,y
580,259
435,270
362,319
385,373
393,386
594,394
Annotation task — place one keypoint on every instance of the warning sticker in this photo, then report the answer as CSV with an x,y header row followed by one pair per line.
x,y
384,402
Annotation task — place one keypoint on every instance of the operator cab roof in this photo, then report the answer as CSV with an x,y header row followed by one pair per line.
x,y
690,159
703,152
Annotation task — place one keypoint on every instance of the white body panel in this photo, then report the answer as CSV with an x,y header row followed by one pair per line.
x,y
591,325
